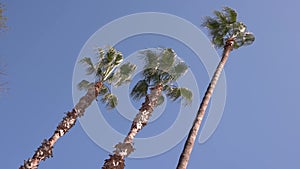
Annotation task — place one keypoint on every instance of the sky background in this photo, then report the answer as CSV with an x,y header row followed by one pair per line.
x,y
260,124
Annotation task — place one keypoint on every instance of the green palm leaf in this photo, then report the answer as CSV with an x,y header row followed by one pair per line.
x,y
139,90
164,68
123,74
218,41
152,75
179,70
100,54
166,60
104,90
110,55
118,59
164,77
186,94
151,59
231,15
180,92
84,85
210,23
108,61
173,93
90,69
110,100
238,29
248,38
221,16
160,100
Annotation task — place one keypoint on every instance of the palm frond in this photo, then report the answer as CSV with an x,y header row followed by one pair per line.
x,y
238,28
179,70
151,75
110,100
110,78
166,60
218,41
118,59
139,90
164,77
160,100
99,73
164,69
173,93
100,53
216,30
151,59
249,38
104,90
231,14
84,85
111,60
221,16
110,54
123,74
107,69
243,39
166,87
186,94
210,23
90,66
180,93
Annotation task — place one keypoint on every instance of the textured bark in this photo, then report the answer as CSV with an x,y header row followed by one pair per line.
x,y
189,144
124,149
114,162
45,150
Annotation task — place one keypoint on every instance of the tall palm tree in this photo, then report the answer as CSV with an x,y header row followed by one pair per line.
x,y
160,72
103,70
229,34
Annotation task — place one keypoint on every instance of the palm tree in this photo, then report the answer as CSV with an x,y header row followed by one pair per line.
x,y
160,72
103,71
228,34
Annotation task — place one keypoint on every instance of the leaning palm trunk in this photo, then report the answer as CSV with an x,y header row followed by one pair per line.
x,y
45,150
123,150
189,144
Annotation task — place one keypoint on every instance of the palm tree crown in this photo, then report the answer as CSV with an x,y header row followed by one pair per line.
x,y
104,71
162,67
225,26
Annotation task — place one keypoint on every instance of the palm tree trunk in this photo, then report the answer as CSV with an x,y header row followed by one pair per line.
x,y
189,144
45,150
123,150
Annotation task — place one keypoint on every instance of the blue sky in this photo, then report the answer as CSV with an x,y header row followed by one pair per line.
x,y
259,128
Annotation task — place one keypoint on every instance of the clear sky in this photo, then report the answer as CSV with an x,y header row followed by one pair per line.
x,y
260,124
